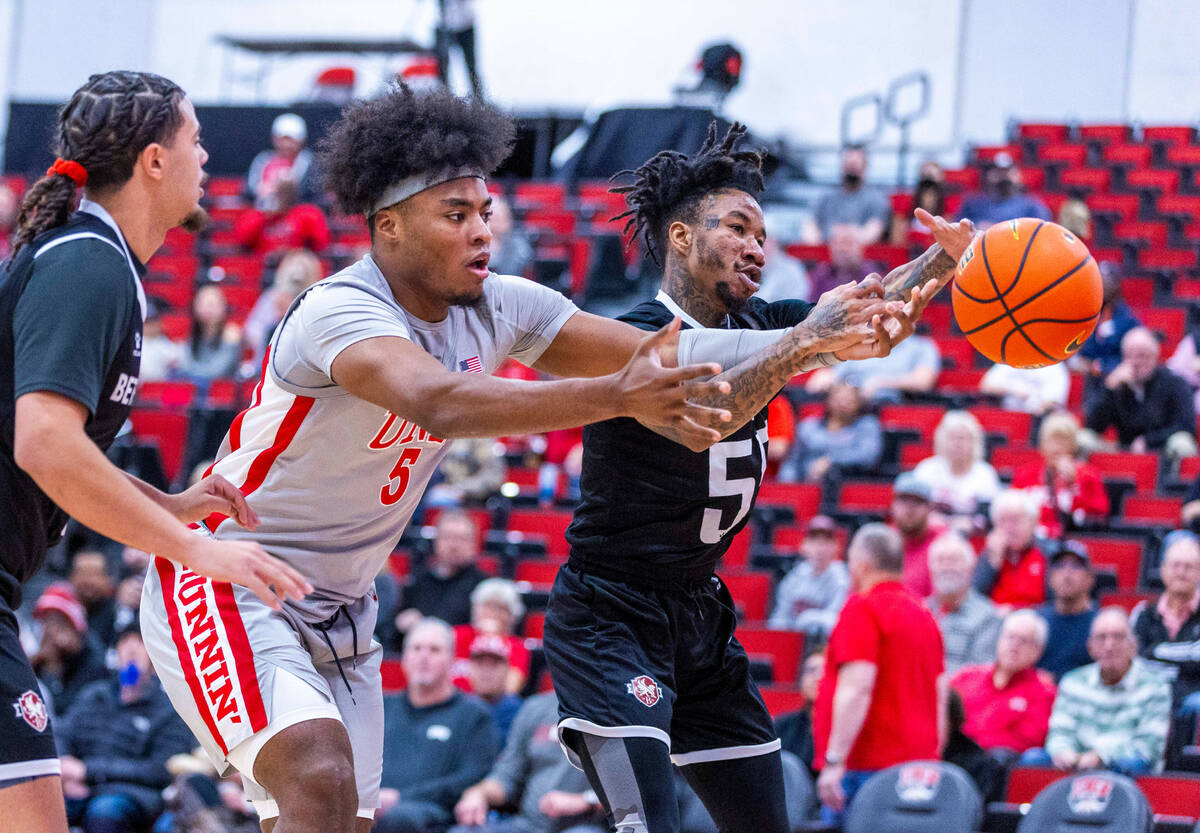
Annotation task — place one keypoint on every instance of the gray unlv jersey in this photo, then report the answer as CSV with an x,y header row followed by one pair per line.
x,y
333,478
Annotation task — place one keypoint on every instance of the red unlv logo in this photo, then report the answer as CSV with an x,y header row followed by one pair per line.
x,y
918,782
1089,794
645,689
32,710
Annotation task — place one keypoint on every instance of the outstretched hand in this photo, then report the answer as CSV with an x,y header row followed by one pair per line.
x,y
952,237
852,315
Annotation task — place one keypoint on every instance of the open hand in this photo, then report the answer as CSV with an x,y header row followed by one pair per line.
x,y
952,237
850,314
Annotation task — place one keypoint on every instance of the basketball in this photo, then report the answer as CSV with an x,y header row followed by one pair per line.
x,y
1027,293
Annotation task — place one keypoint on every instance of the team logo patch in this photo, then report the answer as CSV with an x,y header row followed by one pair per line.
x,y
31,708
645,689
918,783
1089,795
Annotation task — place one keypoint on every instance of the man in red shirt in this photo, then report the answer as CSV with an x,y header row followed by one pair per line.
x,y
1011,569
881,701
1008,703
912,501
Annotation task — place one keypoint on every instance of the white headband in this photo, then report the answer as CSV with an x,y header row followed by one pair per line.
x,y
405,188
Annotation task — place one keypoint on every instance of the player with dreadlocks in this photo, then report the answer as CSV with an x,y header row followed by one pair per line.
x,y
639,632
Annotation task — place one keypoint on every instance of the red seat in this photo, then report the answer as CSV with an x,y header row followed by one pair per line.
x,y
1105,133
1086,179
1124,206
1014,425
1152,510
392,672
921,418
1006,458
803,498
1043,132
986,153
1187,205
1128,599
1169,134
890,256
956,350
738,554
1186,156
488,564
1141,468
534,623
808,253
1189,469
550,525
541,573
1167,259
751,592
780,700
241,299
1170,322
1138,292
168,395
1122,555
180,268
1128,154
784,648
246,270
1025,782
1063,153
1151,180
1172,795
913,453
789,538
169,430
400,564
1153,234
865,497
551,219
964,179
523,477
176,325
539,194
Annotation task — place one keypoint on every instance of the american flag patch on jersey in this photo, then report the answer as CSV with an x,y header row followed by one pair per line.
x,y
471,365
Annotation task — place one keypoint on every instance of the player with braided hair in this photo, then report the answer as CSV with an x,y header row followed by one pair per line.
x,y
71,303
639,632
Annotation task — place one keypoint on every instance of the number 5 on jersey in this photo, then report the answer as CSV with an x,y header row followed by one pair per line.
x,y
721,485
394,489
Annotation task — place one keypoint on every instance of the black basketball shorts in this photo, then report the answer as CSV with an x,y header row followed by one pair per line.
x,y
26,740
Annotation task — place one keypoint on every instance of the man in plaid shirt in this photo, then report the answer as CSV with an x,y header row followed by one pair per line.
x,y
1112,714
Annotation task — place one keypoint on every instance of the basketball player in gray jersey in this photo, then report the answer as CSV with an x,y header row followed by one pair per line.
x,y
368,376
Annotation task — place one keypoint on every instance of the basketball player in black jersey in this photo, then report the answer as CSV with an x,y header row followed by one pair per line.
x,y
71,309
639,633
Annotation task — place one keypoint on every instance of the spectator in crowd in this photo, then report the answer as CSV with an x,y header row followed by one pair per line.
x,y
1112,714
1151,408
68,658
968,620
511,250
496,608
10,207
1068,490
881,701
930,194
92,584
1076,217
442,588
912,367
456,27
1002,197
912,507
297,271
490,655
1034,390
960,481
437,740
1101,353
795,728
562,464
1185,363
847,262
783,276
471,472
781,431
161,357
1072,611
291,224
288,160
854,203
550,794
214,346
811,595
1008,701
1012,569
843,437
114,744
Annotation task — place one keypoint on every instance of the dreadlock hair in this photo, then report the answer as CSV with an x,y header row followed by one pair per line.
x,y
401,134
107,123
670,185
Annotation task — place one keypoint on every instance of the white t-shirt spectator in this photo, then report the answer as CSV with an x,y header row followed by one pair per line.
x,y
1030,389
961,493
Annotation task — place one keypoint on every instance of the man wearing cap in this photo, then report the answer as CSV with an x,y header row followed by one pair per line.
x,y
811,595
1002,197
912,502
68,658
437,740
288,159
1071,612
968,620
488,671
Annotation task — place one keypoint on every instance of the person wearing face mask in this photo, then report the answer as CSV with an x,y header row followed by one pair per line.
x,y
852,202
1002,197
968,620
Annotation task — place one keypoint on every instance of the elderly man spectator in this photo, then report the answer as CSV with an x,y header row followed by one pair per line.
x,y
1151,408
496,608
912,505
811,595
551,795
437,740
783,277
68,658
968,620
1012,569
488,674
1072,610
881,701
115,742
1008,702
1002,197
511,251
1112,714
287,159
847,262
843,437
853,203
1069,490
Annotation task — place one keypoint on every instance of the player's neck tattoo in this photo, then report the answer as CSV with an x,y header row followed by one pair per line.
x,y
679,284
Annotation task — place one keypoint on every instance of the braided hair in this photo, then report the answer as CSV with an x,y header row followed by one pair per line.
x,y
671,185
107,123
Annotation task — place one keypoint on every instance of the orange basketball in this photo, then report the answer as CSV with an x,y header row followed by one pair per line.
x,y
1027,293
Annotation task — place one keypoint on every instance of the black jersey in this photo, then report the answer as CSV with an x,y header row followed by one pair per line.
x,y
652,509
70,323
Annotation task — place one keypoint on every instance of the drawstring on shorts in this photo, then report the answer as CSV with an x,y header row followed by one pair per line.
x,y
323,629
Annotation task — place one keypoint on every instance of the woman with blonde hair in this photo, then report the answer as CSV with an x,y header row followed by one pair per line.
x,y
1068,490
959,478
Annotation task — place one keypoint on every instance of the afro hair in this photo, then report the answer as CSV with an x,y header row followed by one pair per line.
x,y
670,185
400,134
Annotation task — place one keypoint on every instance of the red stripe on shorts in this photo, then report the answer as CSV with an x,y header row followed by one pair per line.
x,y
243,657
166,576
